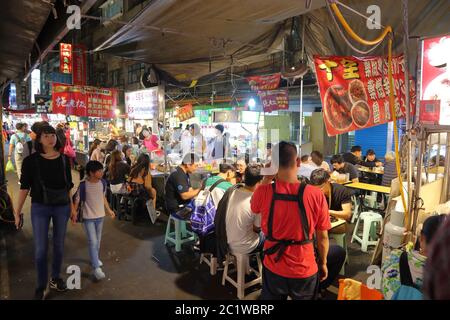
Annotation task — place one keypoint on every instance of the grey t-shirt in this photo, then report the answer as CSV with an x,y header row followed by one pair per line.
x,y
94,206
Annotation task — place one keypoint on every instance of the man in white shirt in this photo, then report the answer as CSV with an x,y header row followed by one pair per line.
x,y
242,225
306,167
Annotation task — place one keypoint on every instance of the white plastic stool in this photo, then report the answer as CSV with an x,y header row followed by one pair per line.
x,y
341,242
355,205
211,262
369,218
241,262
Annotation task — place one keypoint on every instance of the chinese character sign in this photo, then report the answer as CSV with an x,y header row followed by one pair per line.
x,y
270,82
435,84
83,101
274,100
184,113
142,104
79,65
355,91
65,58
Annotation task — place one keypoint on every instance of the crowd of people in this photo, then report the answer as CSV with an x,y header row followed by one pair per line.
x,y
286,216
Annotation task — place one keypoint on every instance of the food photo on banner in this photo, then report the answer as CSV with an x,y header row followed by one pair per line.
x,y
84,101
269,82
355,91
435,81
184,113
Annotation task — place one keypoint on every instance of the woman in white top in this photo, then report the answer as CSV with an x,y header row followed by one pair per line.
x,y
199,143
317,160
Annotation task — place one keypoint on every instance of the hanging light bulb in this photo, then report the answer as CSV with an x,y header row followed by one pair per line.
x,y
251,103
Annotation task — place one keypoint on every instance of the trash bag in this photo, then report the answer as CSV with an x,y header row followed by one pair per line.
x,y
9,167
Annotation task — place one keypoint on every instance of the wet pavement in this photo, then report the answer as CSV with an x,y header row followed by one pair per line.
x,y
137,263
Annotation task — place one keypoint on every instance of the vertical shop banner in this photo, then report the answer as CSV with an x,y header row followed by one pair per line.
x,y
184,113
355,91
65,58
142,104
270,82
101,102
79,64
83,101
273,100
435,82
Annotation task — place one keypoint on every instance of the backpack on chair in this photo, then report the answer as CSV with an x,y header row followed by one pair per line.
x,y
202,218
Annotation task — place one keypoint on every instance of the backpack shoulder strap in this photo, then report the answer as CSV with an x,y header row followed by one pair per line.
x,y
104,185
216,184
405,272
82,191
302,211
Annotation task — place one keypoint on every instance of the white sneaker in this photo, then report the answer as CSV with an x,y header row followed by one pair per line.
x,y
100,263
99,274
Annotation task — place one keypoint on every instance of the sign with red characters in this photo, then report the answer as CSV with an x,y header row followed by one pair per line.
x,y
65,58
79,65
273,100
355,91
84,101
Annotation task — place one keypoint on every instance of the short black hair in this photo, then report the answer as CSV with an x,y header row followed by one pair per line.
x,y
93,166
190,158
319,177
220,127
370,152
20,126
337,158
36,127
225,167
305,158
431,225
252,175
356,149
287,153
46,130
269,145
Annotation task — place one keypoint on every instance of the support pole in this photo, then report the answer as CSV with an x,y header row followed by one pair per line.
x,y
445,187
409,171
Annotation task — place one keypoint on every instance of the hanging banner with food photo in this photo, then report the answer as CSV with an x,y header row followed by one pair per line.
x,y
269,82
184,113
355,91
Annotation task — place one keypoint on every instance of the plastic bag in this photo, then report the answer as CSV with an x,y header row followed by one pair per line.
x,y
9,167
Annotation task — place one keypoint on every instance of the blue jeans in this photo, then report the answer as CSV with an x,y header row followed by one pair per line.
x,y
40,220
93,228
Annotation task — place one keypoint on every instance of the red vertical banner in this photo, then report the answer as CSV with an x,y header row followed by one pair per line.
x,y
65,58
79,64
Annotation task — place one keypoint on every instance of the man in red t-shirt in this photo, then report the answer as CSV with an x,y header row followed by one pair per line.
x,y
290,267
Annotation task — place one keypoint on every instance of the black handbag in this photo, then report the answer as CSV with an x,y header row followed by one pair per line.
x,y
54,197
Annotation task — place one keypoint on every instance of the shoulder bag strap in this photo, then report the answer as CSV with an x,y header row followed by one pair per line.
x,y
64,169
39,176
216,184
